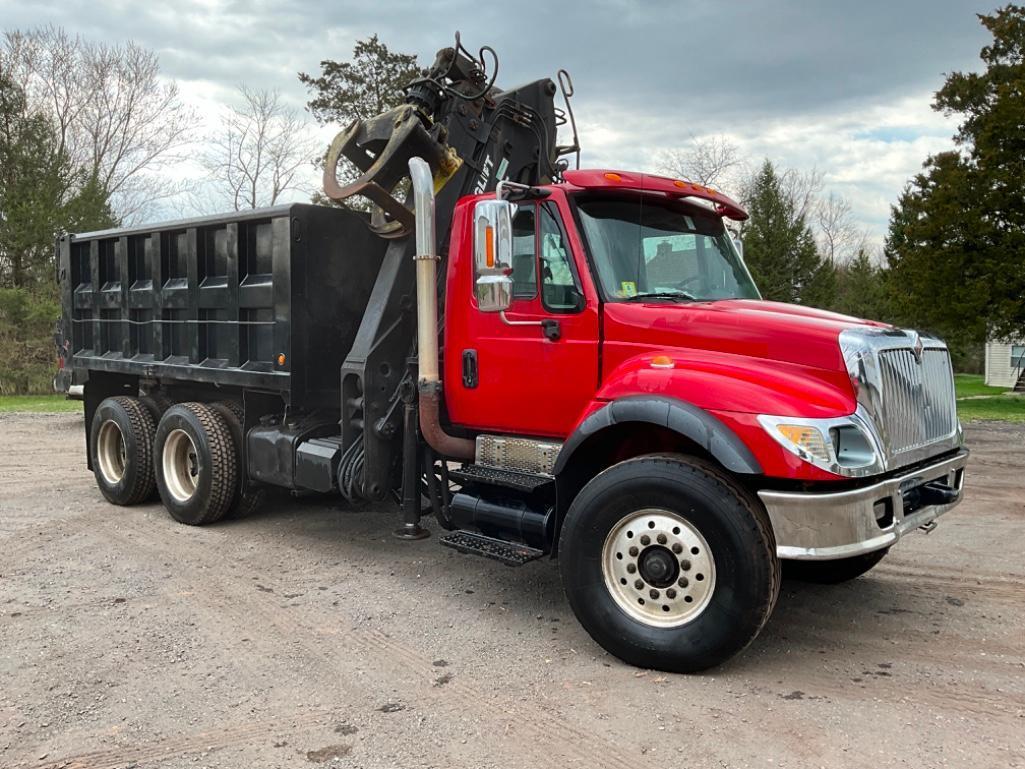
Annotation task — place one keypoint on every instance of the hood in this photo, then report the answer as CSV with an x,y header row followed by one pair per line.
x,y
772,330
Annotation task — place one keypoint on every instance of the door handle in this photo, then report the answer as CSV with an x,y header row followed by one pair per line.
x,y
549,326
469,369
552,330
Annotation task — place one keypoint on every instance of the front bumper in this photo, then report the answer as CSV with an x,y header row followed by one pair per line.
x,y
831,525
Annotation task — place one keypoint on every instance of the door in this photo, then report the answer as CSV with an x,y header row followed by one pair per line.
x,y
535,371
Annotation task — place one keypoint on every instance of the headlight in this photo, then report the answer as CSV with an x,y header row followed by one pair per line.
x,y
842,445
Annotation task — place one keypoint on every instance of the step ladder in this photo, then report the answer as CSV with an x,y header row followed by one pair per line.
x,y
473,543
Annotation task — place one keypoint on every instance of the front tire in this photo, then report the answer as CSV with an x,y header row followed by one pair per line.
x,y
834,572
195,463
121,450
668,564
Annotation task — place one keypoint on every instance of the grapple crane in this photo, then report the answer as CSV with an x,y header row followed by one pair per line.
x,y
473,135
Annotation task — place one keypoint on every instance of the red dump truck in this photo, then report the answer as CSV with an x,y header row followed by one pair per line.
x,y
551,362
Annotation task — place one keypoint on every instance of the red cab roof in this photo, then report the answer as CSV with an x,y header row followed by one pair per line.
x,y
676,188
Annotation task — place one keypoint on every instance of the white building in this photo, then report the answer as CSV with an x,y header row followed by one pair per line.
x,y
1005,363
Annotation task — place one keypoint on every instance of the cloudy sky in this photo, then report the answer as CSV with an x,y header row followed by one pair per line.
x,y
844,87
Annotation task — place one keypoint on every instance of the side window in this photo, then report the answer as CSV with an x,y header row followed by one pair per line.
x,y
559,288
1018,356
524,262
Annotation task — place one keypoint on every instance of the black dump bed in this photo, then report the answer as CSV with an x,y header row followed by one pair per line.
x,y
268,299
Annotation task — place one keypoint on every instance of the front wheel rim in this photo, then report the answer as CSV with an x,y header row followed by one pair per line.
x,y
180,463
658,568
111,452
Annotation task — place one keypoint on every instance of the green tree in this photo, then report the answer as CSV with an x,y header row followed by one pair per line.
x,y
90,208
346,91
41,193
779,247
821,289
34,180
368,85
41,196
26,335
956,244
861,289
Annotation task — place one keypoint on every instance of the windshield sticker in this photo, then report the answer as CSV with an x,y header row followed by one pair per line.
x,y
628,288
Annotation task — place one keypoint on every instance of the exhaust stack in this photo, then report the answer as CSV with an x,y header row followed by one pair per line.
x,y
429,385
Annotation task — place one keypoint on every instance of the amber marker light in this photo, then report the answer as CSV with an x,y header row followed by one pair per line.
x,y
489,246
281,359
662,361
614,177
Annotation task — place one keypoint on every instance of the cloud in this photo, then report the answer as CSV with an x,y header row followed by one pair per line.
x,y
843,87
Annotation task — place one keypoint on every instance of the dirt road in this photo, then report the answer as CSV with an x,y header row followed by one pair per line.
x,y
306,635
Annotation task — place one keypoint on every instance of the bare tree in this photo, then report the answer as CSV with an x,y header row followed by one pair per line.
x,y
803,189
708,160
840,238
715,161
262,150
116,118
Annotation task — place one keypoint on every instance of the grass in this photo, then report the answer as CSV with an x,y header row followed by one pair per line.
x,y
968,385
977,400
40,404
1005,408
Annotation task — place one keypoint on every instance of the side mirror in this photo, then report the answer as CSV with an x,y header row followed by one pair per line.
x,y
737,243
493,243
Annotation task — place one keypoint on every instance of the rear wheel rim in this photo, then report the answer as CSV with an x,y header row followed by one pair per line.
x,y
658,568
180,463
111,453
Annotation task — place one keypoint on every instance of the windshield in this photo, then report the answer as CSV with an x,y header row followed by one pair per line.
x,y
645,247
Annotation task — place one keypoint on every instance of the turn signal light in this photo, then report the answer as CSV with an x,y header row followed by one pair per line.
x,y
614,177
806,438
281,359
489,246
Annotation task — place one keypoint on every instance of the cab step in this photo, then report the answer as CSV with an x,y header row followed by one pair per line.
x,y
492,476
509,553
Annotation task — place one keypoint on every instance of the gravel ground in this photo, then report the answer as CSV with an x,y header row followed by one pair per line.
x,y
307,635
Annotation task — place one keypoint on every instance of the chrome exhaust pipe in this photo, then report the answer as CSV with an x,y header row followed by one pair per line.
x,y
429,384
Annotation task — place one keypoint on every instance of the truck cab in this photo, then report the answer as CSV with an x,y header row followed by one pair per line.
x,y
625,328
624,285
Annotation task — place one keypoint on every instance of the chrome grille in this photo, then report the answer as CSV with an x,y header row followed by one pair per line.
x,y
910,406
918,404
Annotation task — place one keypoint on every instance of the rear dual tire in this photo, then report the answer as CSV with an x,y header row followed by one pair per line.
x,y
645,602
247,500
121,450
196,463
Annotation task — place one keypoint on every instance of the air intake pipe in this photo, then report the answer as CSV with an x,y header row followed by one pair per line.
x,y
427,318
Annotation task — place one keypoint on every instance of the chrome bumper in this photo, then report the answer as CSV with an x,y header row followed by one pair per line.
x,y
827,526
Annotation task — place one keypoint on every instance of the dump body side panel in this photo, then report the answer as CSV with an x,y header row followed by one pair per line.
x,y
267,299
